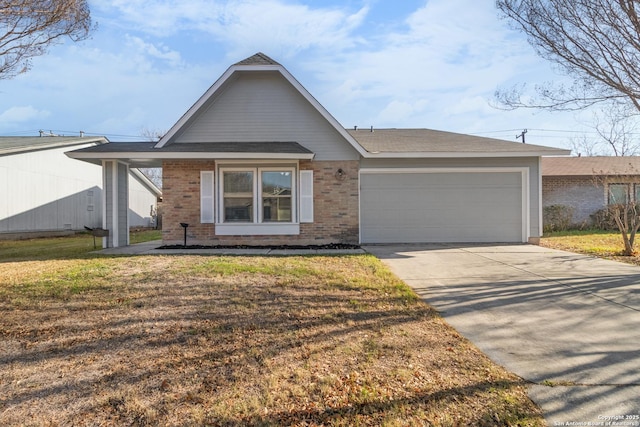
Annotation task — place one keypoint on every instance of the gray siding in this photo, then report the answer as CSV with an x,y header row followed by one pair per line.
x,y
123,204
535,209
108,201
265,107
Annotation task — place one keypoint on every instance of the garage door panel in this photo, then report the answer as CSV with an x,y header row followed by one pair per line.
x,y
441,207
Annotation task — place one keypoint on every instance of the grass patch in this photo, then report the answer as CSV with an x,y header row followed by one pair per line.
x,y
598,243
264,341
78,245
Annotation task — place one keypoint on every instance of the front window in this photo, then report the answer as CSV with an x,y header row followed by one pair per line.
x,y
238,196
276,196
257,195
618,194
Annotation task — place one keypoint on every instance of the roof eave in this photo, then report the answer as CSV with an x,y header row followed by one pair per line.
x,y
63,144
463,154
124,155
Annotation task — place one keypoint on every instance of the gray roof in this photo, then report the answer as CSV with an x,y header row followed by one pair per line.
x,y
22,144
257,59
145,155
276,147
589,166
435,141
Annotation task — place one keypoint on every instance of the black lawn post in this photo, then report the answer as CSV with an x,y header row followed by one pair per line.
x,y
184,225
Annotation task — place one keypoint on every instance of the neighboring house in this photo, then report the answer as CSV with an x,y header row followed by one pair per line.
x,y
257,160
588,184
43,191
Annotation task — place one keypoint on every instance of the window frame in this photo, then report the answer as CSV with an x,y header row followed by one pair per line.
x,y
258,226
627,189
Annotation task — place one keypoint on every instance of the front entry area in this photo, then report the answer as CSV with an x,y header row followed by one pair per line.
x,y
438,205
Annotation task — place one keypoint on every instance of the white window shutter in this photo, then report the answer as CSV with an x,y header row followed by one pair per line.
x,y
206,197
306,196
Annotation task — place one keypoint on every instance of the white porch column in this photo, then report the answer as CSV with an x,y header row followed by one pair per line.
x,y
115,215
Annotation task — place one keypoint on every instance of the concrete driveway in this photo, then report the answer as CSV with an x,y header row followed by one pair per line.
x,y
569,324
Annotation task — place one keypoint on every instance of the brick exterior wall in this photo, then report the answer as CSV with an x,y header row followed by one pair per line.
x,y
584,194
336,207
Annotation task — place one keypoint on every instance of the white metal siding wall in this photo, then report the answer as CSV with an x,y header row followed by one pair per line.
x,y
443,206
140,202
47,191
265,107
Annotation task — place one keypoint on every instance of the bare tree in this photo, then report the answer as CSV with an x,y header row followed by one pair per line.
x,y
29,27
595,42
623,207
154,174
583,145
617,128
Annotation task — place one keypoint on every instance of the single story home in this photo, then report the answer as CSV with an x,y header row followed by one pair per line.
x,y
44,192
258,161
589,184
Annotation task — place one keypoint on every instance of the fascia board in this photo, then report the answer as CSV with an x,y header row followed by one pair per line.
x,y
453,154
53,145
323,111
195,107
288,76
190,156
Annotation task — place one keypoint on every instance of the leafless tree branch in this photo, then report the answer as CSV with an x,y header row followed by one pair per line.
x,y
595,42
29,27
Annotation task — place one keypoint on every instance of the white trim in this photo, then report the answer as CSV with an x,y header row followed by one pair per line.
x,y
252,163
201,102
461,154
256,170
194,108
525,187
540,218
127,155
443,170
264,229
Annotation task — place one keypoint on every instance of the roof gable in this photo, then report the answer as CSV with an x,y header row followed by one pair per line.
x,y
257,59
258,63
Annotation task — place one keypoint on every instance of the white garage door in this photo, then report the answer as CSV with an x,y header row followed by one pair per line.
x,y
441,207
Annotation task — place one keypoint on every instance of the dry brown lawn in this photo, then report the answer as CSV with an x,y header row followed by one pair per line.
x,y
195,340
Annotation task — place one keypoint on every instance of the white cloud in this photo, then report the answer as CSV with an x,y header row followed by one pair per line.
x,y
16,115
277,27
159,51
440,69
150,60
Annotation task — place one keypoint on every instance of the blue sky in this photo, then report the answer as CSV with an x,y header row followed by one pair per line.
x,y
382,63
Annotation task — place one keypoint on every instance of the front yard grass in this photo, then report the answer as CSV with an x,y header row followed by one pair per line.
x,y
78,245
598,243
197,340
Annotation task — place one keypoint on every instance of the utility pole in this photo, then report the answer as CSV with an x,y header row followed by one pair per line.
x,y
522,135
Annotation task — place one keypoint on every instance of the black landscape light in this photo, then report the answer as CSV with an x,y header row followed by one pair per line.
x,y
184,225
